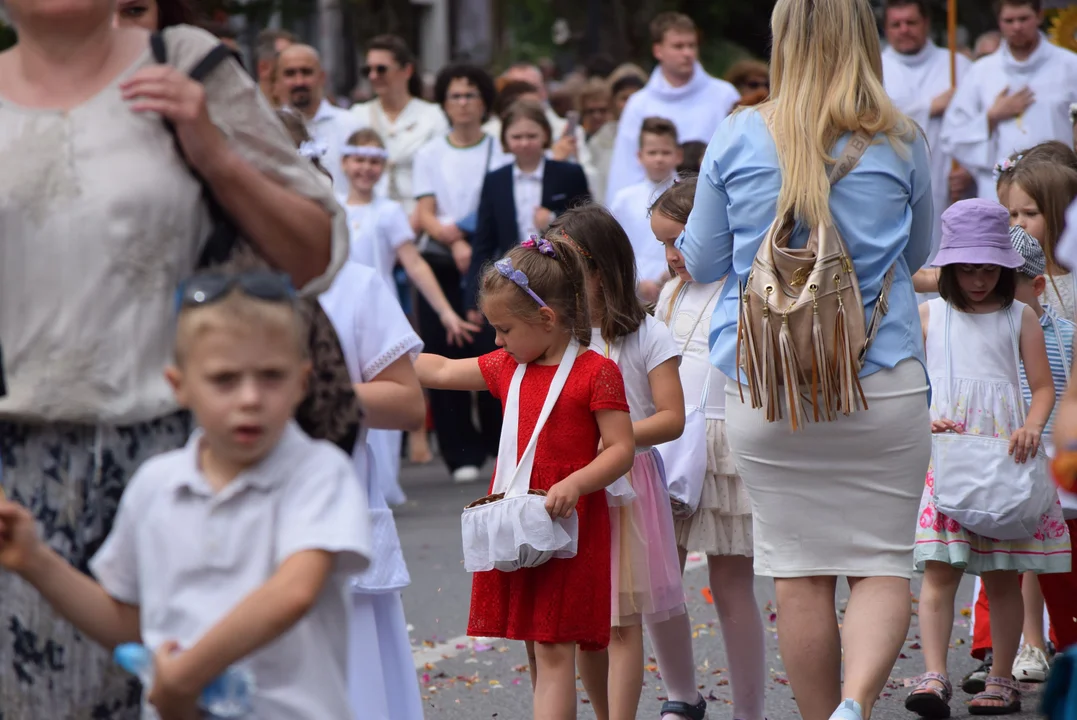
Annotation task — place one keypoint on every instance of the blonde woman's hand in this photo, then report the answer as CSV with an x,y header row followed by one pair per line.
x,y
1024,443
561,499
170,93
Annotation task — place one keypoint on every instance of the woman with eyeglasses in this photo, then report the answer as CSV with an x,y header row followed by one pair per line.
x,y
449,173
397,114
101,218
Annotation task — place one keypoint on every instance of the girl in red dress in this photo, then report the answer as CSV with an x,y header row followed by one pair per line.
x,y
536,300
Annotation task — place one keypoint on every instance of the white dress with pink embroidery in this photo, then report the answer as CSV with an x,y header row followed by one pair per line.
x,y
984,388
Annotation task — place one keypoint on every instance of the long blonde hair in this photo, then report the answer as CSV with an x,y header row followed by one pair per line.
x,y
825,79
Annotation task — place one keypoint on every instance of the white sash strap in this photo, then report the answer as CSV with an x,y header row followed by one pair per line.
x,y
515,478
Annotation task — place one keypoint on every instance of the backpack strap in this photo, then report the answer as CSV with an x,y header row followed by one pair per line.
x,y
223,237
850,156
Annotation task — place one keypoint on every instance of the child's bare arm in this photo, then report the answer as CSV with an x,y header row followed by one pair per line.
x,y
262,617
614,460
441,373
78,598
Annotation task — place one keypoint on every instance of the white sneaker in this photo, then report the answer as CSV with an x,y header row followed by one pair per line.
x,y
466,474
1031,665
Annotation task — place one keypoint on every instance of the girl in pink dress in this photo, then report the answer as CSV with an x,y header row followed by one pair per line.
x,y
647,588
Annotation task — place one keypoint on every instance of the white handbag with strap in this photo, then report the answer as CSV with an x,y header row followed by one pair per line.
x,y
977,482
510,528
685,459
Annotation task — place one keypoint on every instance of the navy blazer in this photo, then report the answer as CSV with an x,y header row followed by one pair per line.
x,y
563,186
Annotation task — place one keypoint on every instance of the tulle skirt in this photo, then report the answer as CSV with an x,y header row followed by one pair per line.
x,y
722,525
646,572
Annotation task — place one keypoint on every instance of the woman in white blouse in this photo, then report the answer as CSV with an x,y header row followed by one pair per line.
x,y
100,219
403,121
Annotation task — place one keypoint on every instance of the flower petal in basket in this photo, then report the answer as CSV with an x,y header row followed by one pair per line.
x,y
507,534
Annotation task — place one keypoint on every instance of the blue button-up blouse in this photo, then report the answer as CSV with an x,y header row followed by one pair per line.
x,y
882,208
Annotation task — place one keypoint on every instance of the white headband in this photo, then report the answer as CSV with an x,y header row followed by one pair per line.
x,y
367,151
312,149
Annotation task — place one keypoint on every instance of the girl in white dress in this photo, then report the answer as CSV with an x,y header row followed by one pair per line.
x,y
379,347
721,527
381,236
969,335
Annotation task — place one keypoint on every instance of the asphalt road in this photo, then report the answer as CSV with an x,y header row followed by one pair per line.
x,y
465,680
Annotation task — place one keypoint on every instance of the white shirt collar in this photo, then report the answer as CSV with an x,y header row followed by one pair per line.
x,y
537,174
325,111
263,475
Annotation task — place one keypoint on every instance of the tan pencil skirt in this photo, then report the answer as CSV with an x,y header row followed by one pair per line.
x,y
837,498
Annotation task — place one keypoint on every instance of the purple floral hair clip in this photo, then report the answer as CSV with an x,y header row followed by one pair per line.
x,y
1005,166
505,268
541,244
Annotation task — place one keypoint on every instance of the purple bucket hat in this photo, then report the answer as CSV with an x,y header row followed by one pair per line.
x,y
977,232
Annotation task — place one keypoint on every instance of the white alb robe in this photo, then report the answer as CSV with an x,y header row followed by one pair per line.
x,y
912,82
696,108
1050,72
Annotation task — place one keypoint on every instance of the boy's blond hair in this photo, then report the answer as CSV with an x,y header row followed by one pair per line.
x,y
239,313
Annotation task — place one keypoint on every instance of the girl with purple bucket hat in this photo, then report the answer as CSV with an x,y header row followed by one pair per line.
x,y
974,334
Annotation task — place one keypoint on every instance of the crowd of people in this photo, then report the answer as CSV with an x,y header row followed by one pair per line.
x,y
656,301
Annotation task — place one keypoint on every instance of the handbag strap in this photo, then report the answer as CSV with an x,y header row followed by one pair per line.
x,y
223,237
850,154
1016,356
514,478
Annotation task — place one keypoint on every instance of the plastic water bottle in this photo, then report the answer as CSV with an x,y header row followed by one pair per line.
x,y
227,697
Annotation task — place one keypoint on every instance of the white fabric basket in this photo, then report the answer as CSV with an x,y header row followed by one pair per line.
x,y
510,529
977,482
515,532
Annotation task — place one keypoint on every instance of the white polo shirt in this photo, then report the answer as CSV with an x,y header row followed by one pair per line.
x,y
187,557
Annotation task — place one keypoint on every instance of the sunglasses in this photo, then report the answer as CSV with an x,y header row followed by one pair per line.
x,y
757,85
207,288
368,70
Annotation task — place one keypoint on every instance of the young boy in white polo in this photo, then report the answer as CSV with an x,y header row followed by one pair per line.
x,y
236,549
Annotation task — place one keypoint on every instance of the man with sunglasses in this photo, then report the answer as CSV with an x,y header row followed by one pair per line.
x,y
302,81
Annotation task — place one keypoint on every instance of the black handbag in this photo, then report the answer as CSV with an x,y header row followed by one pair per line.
x,y
331,410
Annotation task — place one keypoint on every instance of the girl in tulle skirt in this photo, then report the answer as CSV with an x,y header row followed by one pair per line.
x,y
646,577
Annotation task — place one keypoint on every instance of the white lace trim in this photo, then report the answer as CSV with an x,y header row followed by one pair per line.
x,y
410,344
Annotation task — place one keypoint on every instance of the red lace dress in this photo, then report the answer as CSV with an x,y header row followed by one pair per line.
x,y
562,600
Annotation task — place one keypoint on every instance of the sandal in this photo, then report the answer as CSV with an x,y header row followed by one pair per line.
x,y
1006,691
927,699
679,707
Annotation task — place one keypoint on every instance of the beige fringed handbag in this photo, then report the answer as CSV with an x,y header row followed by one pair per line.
x,y
802,319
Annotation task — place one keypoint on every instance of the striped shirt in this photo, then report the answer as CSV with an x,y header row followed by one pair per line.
x,y
1058,332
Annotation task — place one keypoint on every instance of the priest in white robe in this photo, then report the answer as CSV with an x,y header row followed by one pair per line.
x,y
679,90
1013,99
916,74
